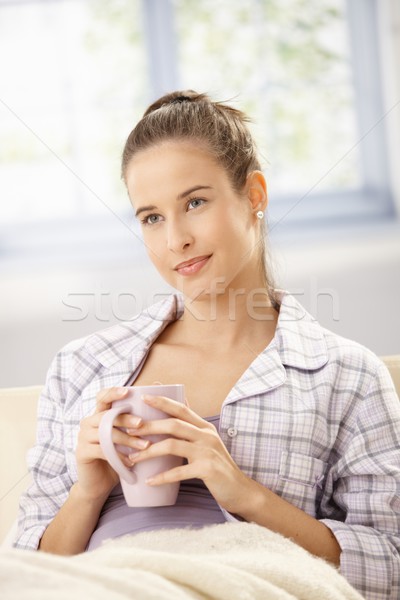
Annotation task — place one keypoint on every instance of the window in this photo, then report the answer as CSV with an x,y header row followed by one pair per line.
x,y
308,74
75,79
80,72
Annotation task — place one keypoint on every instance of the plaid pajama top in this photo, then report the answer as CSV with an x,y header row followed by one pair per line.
x,y
315,418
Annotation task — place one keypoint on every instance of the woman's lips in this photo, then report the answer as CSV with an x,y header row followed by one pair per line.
x,y
193,266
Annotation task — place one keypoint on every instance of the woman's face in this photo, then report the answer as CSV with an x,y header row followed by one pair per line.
x,y
200,235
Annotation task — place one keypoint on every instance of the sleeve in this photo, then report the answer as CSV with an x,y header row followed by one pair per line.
x,y
51,481
366,487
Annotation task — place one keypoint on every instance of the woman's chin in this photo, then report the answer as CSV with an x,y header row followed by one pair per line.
x,y
198,287
194,293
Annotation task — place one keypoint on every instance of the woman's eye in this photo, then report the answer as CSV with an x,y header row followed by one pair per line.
x,y
150,219
195,202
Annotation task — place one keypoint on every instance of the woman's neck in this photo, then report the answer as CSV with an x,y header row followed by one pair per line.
x,y
226,320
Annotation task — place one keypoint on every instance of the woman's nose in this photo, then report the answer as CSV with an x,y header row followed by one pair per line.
x,y
179,237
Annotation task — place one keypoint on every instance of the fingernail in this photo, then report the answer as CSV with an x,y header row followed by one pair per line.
x,y
143,443
133,455
150,480
121,391
136,421
148,399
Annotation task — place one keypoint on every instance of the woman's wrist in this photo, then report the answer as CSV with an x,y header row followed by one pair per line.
x,y
78,493
253,501
70,530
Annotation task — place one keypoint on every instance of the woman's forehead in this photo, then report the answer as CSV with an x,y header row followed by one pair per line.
x,y
176,167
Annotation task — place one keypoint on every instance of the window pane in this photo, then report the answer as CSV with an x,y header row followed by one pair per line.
x,y
287,63
75,78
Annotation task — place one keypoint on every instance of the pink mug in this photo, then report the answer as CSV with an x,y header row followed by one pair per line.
x,y
133,480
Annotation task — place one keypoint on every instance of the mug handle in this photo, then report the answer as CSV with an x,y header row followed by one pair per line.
x,y
107,445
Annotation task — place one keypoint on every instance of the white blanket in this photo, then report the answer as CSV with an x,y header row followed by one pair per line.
x,y
231,561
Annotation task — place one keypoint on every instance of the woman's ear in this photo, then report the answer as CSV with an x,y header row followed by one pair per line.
x,y
256,187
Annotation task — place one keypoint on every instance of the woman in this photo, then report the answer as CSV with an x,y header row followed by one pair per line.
x,y
289,425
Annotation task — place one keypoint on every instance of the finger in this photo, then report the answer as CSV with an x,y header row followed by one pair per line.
x,y
93,451
125,459
173,475
126,421
170,446
172,428
124,439
175,409
106,396
90,435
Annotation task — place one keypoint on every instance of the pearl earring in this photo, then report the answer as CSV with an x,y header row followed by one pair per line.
x,y
260,214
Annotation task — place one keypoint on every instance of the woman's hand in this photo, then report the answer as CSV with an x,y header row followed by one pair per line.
x,y
96,477
198,441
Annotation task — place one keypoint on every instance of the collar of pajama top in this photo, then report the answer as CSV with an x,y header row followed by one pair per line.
x,y
298,342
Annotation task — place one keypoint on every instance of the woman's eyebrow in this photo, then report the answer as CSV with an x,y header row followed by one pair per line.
x,y
144,209
193,189
179,197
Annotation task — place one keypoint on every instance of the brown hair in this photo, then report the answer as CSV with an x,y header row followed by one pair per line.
x,y
188,115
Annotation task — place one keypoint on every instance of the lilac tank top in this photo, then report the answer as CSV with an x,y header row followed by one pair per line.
x,y
195,507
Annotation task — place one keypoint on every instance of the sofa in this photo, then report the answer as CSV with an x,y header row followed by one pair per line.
x,y
17,434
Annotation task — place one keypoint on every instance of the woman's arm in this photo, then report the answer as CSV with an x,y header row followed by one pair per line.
x,y
58,514
366,484
257,504
70,530
51,479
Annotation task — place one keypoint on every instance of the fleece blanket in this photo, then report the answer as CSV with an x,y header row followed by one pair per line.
x,y
240,561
